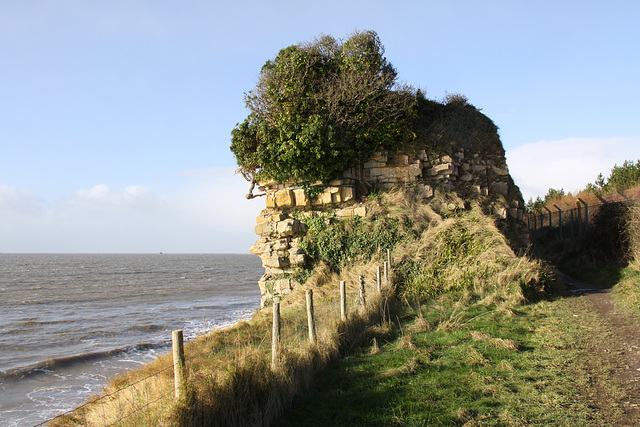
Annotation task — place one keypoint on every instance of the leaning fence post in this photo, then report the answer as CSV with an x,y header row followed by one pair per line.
x,y
275,335
586,214
550,217
379,279
343,300
311,320
559,219
179,371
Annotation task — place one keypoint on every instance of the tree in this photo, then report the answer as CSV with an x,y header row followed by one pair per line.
x,y
321,107
621,178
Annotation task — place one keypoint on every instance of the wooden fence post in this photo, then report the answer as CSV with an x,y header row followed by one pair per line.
x,y
179,369
379,279
386,273
343,300
275,335
389,257
361,296
311,320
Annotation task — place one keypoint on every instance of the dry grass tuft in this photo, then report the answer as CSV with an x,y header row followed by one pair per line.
x,y
420,325
406,341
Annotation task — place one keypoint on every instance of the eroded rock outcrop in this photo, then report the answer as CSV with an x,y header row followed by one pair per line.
x,y
481,176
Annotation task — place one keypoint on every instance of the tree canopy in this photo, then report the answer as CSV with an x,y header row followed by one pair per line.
x,y
321,107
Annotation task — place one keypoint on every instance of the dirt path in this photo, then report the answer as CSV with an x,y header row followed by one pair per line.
x,y
616,351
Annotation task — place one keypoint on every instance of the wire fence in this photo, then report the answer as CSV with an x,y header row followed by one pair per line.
x,y
148,400
571,222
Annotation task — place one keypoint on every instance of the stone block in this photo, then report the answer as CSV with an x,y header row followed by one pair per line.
x,y
400,159
260,247
301,198
264,229
360,211
373,164
297,259
500,171
500,188
281,244
270,201
278,217
445,168
262,284
284,198
347,194
274,261
326,198
287,227
345,212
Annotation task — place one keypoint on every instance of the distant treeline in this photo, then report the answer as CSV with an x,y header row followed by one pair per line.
x,y
621,178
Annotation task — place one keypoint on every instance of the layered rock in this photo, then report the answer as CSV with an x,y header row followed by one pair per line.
x,y
280,228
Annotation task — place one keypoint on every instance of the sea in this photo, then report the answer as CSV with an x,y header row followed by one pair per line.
x,y
71,322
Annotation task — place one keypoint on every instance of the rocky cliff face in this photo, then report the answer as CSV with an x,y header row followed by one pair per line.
x,y
478,175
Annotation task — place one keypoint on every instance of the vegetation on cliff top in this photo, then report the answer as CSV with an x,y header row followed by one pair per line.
x,y
322,107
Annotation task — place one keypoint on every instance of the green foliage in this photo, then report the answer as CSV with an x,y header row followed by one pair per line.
x,y
539,203
456,247
621,178
453,125
341,241
320,108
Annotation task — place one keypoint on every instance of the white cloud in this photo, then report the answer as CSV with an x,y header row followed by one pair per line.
x,y
20,201
207,212
569,163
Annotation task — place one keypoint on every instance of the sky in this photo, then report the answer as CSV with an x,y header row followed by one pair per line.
x,y
115,117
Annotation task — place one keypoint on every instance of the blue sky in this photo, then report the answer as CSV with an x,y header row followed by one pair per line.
x,y
115,117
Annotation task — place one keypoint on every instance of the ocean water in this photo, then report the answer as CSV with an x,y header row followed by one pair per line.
x,y
68,323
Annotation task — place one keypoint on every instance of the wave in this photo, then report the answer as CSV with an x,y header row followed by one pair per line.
x,y
51,365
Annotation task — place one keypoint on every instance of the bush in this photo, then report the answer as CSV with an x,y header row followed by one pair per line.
x,y
321,107
339,242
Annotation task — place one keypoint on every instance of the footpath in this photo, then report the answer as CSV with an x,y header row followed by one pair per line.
x,y
611,335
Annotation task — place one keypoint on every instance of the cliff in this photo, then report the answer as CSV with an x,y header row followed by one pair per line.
x,y
456,151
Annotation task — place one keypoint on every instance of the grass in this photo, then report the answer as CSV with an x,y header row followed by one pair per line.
x,y
490,367
448,257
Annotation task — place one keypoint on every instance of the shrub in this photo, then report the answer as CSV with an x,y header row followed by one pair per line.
x,y
321,107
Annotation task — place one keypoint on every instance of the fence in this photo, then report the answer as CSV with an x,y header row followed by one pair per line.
x,y
570,223
146,400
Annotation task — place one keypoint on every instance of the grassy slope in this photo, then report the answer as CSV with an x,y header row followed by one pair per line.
x,y
521,367
476,353
482,359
